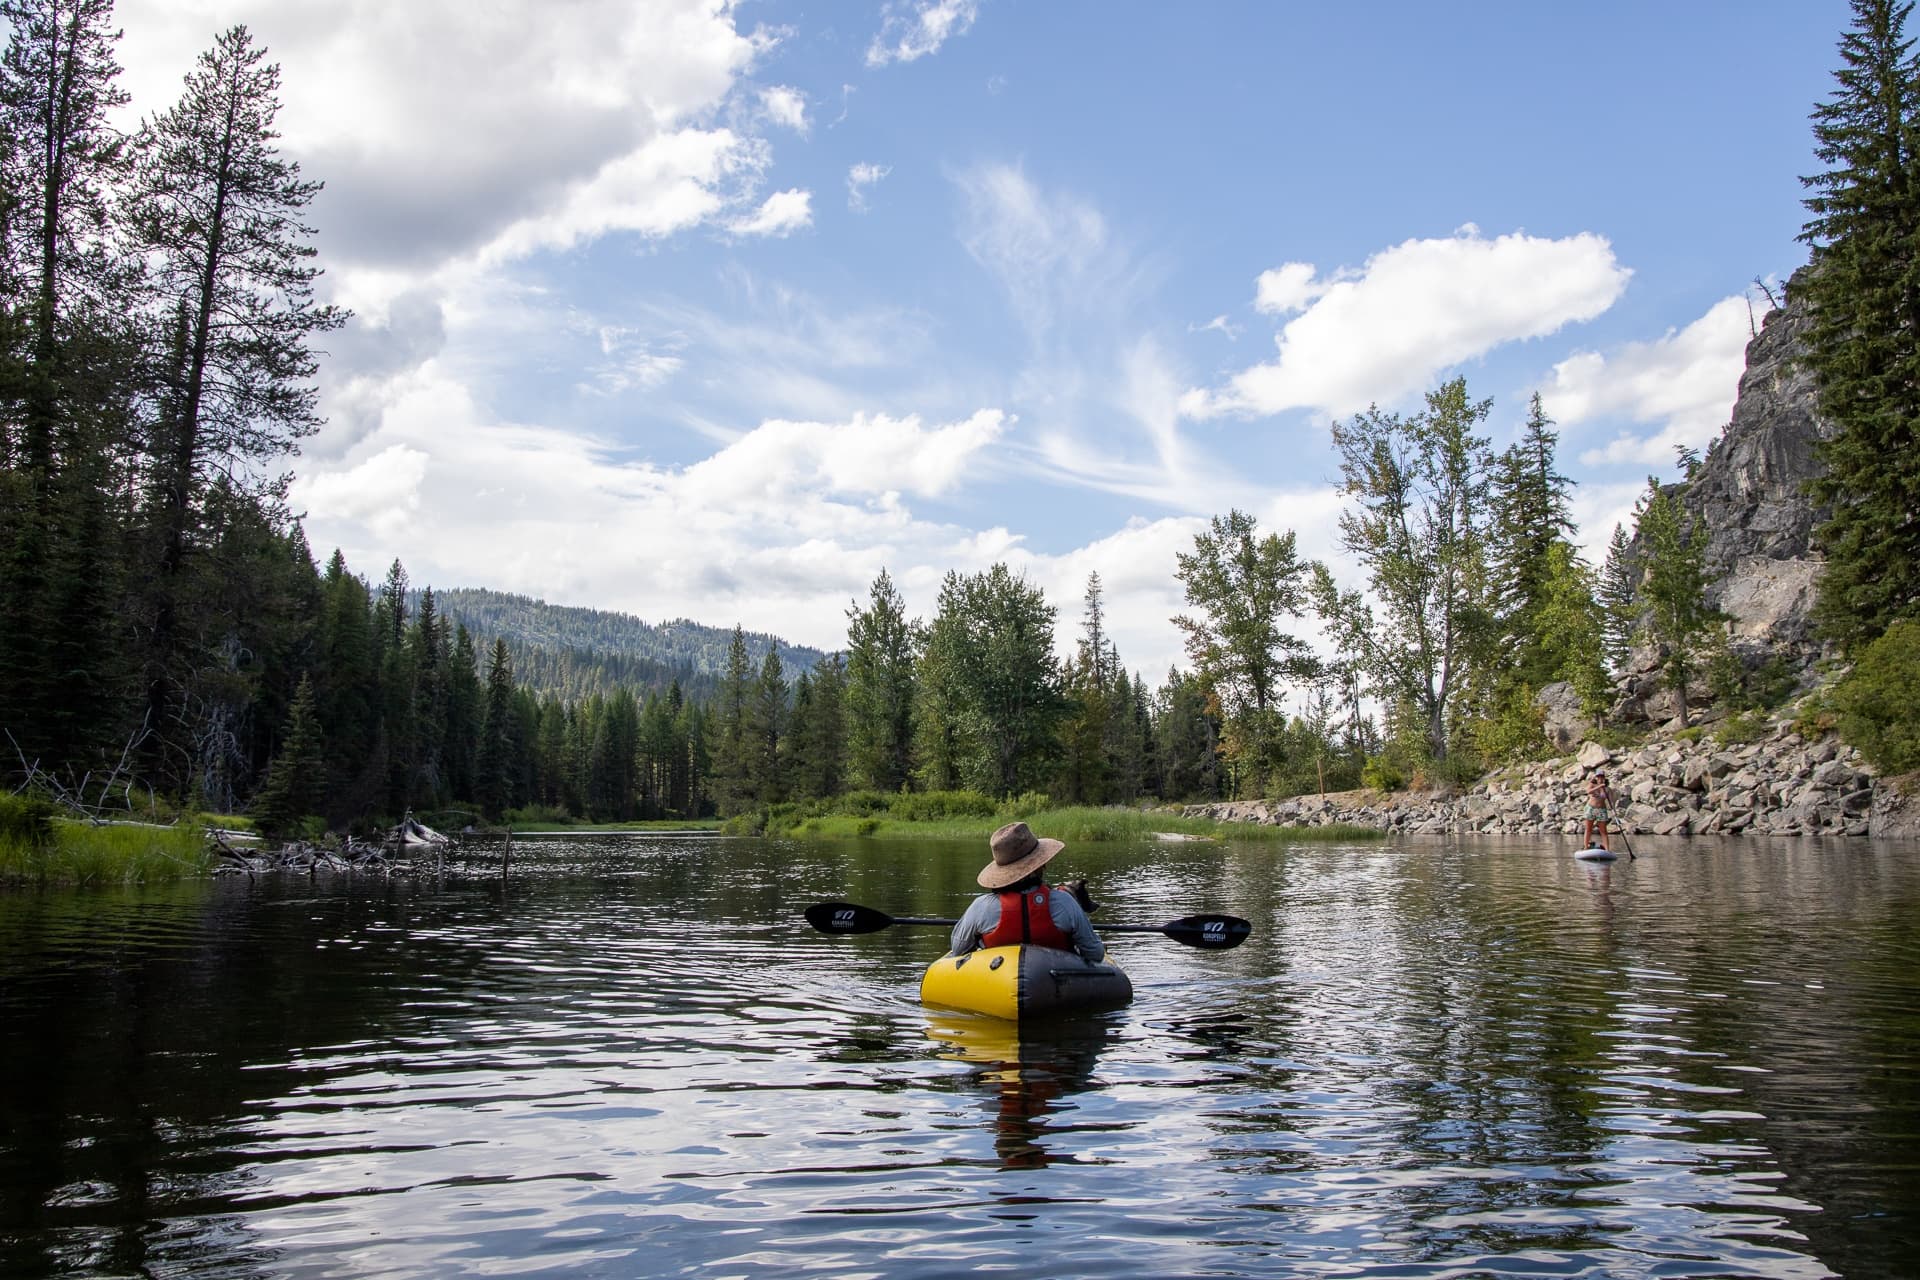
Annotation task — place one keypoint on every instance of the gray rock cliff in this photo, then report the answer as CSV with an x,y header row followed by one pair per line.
x,y
1750,493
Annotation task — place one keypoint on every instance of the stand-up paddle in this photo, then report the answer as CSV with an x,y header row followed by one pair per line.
x,y
1211,933
1621,823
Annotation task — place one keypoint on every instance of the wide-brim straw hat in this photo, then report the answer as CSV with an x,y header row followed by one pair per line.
x,y
1017,854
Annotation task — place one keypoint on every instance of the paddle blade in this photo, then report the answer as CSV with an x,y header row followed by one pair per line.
x,y
1210,933
846,917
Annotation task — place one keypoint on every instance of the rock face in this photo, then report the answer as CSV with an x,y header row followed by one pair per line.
x,y
1749,490
1780,784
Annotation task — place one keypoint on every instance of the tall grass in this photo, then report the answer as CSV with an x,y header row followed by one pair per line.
x,y
969,815
82,853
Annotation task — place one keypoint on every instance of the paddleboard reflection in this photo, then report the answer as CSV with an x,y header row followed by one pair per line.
x,y
1026,1071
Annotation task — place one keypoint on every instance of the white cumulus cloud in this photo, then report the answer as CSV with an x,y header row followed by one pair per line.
x,y
1682,384
1381,333
786,107
1286,289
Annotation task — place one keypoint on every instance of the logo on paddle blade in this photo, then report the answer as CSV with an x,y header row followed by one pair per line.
x,y
1214,933
843,919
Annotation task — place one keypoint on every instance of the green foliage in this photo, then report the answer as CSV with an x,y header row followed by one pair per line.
x,y
1246,587
880,688
992,701
1618,596
1417,524
85,853
1679,619
1383,773
1878,703
934,806
1741,728
26,821
1514,731
1863,339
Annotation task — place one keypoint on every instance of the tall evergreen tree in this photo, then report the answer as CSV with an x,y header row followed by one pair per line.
x,y
66,290
296,784
1679,620
880,692
767,731
1863,298
1531,516
732,779
499,728
218,210
1618,593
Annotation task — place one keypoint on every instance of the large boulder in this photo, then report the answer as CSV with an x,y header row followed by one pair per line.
x,y
1896,808
1563,718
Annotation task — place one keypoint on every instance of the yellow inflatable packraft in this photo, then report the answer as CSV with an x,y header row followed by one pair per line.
x,y
1024,981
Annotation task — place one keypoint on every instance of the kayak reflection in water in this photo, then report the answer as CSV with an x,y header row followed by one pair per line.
x,y
1028,1074
1020,907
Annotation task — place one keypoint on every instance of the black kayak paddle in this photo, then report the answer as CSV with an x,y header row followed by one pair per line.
x,y
1210,933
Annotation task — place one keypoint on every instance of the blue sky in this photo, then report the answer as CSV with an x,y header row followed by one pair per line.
x,y
692,309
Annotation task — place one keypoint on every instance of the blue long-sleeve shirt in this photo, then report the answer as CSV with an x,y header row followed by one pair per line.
x,y
984,913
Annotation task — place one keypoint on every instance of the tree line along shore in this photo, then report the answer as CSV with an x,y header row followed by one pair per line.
x,y
171,646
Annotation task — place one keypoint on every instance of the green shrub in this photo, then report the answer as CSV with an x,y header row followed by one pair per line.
x,y
26,820
932,806
1878,702
1382,774
1748,726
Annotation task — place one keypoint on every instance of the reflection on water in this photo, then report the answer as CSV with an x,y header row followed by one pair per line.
x,y
1029,1074
630,1057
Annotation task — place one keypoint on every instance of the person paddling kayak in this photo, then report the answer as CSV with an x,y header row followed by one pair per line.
x,y
1020,906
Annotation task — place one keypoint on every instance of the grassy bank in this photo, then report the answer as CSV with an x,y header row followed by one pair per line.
x,y
968,815
62,852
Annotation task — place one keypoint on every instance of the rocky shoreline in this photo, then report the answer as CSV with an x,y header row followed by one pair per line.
x,y
1779,785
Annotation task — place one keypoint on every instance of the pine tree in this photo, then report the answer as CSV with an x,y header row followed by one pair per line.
x,y
499,748
1863,297
217,211
66,377
880,689
732,781
1531,516
1619,598
767,723
1679,619
296,785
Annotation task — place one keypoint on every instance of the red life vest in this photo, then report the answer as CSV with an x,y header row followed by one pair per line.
x,y
1026,917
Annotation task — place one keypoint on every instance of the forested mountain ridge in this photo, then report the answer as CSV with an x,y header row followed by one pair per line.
x,y
572,652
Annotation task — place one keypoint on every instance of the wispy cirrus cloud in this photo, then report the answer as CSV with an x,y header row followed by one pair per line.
x,y
1380,333
860,179
781,214
911,31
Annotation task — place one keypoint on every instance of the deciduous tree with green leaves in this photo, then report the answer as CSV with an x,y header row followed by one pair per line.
x,y
1416,522
1245,588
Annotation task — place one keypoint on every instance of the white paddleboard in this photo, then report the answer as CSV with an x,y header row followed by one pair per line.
x,y
1597,855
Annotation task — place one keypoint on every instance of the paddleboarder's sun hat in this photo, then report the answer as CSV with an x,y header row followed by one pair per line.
x,y
1017,854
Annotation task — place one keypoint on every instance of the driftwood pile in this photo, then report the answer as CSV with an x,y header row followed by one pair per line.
x,y
393,853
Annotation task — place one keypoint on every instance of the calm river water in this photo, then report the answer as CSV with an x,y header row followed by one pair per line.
x,y
632,1058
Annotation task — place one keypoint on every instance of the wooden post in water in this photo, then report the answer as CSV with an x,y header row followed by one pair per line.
x,y
507,857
